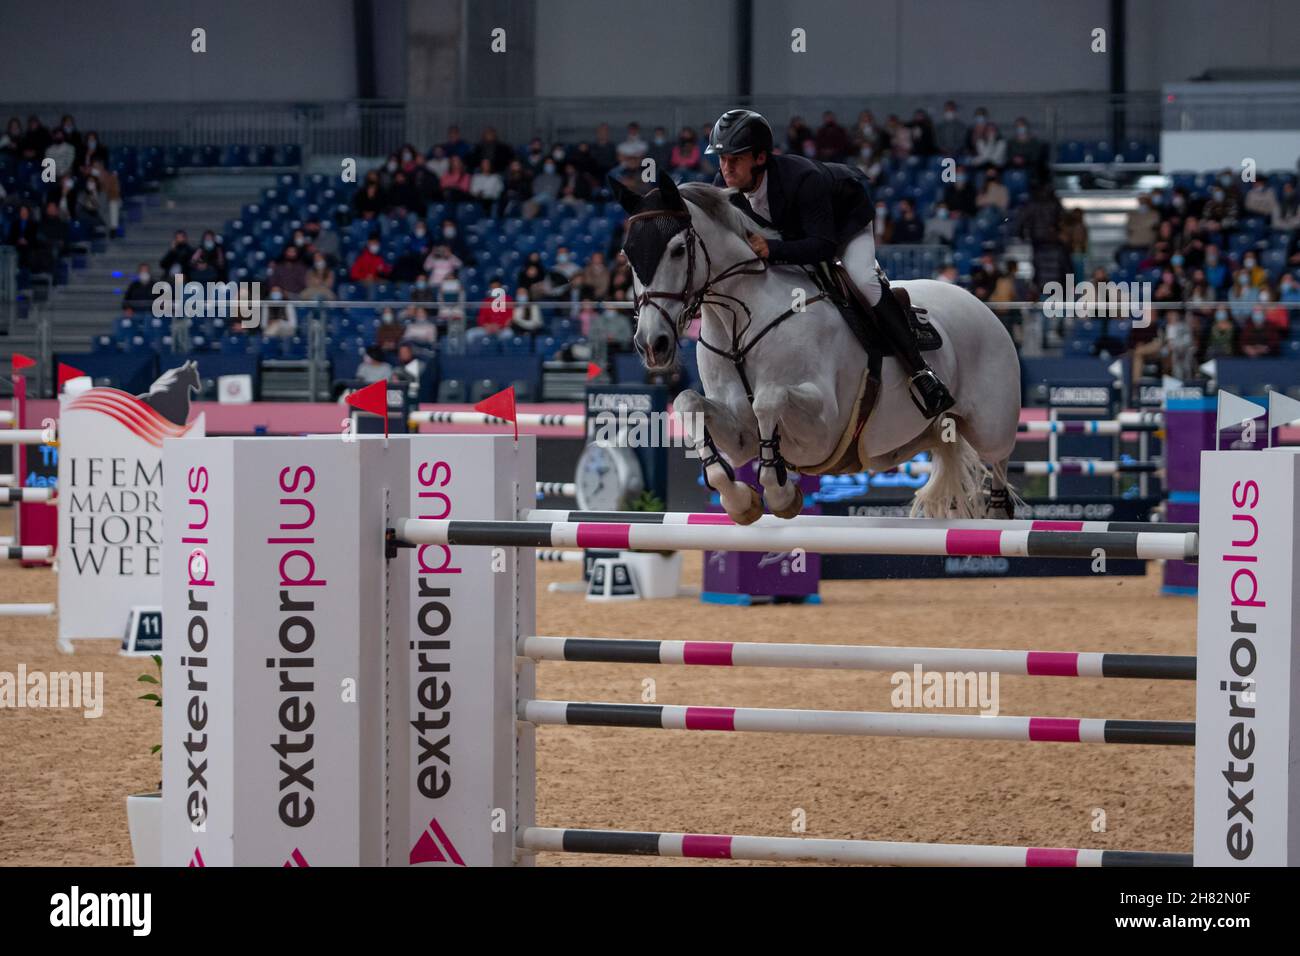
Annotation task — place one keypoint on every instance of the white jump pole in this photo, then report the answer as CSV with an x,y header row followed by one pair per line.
x,y
27,610
23,436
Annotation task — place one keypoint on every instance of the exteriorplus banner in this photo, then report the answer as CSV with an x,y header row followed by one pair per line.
x,y
111,508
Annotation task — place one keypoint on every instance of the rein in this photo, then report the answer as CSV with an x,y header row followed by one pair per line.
x,y
693,301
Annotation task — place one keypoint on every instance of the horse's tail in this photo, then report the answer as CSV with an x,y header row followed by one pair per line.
x,y
955,488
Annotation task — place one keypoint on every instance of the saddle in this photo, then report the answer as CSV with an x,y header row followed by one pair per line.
x,y
834,283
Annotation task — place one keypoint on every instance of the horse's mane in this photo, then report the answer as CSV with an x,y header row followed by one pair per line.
x,y
716,203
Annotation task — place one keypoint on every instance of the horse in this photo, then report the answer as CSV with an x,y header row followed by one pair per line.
x,y
786,380
169,395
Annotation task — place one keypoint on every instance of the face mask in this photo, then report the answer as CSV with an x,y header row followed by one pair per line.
x,y
67,183
209,244
1211,258
91,143
391,166
1220,315
1257,318
277,295
406,157
882,211
979,119
1022,130
1225,180
300,242
1179,202
1249,263
142,276
949,115
68,127
1218,195
421,283
420,232
374,248
562,258
1177,260
449,232
548,168
1242,280
557,154
388,318
961,179
941,214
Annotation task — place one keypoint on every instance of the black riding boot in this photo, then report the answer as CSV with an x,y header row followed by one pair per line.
x,y
928,391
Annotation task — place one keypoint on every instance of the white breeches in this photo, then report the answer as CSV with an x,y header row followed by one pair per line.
x,y
859,258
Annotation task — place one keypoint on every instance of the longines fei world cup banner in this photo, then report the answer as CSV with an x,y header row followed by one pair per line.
x,y
110,509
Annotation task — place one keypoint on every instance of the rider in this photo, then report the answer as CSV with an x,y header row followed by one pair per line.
x,y
823,212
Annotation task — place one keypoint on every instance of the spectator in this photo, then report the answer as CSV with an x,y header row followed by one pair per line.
x,y
899,137
534,156
178,257
1258,338
798,136
1257,273
486,186
613,327
1145,341
496,153
940,227
922,130
290,273
452,239
24,235
959,195
1222,338
632,150
403,197
546,190
454,145
1026,151
993,194
575,186
408,370
456,182
319,283
984,277
442,262
526,319
948,274
110,188
586,312
866,132
1288,288
494,315
323,241
421,289
1273,313
594,279
63,153
1180,347
279,318
832,140
907,227
517,188
950,133
91,206
1260,200
12,140
532,275
976,129
369,202
421,329
660,150
1288,208
438,162
868,162
387,173
36,140
1217,275
139,294
560,278
1222,206
882,224
369,266
409,159
71,135
373,368
1040,223
602,153
1140,230
201,269
989,148
1243,296
685,155
620,280
92,151
1075,237
390,332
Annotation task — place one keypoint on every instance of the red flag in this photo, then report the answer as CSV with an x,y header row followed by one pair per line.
x,y
67,372
593,371
21,362
502,405
372,399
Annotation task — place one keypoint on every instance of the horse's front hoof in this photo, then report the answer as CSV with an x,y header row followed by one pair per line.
x,y
751,513
794,508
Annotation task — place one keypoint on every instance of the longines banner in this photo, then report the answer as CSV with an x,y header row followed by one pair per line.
x,y
110,504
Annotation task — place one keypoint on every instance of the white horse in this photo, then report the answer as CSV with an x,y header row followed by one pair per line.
x,y
786,380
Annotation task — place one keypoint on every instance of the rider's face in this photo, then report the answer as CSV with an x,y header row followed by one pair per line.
x,y
740,171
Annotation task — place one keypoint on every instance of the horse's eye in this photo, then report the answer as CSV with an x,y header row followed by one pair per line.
x,y
679,252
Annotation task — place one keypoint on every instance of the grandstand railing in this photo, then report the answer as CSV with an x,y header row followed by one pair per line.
x,y
375,127
1232,106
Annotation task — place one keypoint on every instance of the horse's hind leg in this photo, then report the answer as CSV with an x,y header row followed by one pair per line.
x,y
721,441
1001,499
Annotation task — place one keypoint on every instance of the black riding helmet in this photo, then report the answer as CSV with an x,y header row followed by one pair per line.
x,y
740,131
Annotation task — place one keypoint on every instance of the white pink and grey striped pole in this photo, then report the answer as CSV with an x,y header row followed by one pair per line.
x,y
711,846
525,419
850,521
1092,468
855,657
27,552
28,495
23,436
835,540
1082,730
1089,427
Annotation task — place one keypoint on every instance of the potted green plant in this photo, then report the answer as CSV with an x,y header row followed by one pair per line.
x,y
144,810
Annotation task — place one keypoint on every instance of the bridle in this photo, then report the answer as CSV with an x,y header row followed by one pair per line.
x,y
693,301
